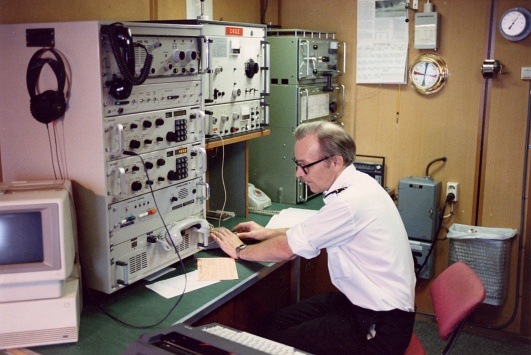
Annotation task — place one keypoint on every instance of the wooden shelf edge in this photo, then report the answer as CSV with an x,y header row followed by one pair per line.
x,y
237,139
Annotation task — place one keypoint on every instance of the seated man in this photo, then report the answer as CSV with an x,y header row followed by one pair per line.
x,y
369,257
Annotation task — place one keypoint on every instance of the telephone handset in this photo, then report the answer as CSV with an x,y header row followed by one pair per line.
x,y
196,226
123,49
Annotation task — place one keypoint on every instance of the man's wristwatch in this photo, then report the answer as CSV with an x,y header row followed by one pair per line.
x,y
239,249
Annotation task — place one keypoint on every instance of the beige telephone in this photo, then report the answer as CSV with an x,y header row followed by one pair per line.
x,y
257,198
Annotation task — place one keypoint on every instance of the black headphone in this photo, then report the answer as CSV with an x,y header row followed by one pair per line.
x,y
49,105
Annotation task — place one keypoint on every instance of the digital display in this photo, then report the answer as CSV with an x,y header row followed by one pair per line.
x,y
21,238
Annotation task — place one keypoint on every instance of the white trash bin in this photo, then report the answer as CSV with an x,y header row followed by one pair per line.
x,y
487,251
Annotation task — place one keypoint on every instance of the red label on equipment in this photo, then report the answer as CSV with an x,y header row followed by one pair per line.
x,y
234,31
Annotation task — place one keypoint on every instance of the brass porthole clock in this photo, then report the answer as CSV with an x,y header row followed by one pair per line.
x,y
428,74
515,24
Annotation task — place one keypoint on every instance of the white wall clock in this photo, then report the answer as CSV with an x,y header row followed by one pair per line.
x,y
515,24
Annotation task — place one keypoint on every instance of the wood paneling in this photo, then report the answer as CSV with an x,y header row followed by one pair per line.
x,y
25,11
448,123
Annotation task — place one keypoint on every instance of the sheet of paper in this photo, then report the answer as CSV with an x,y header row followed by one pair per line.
x,y
212,269
382,42
289,217
175,286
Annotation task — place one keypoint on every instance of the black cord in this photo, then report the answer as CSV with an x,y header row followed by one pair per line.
x,y
57,150
115,318
263,14
120,60
51,150
443,159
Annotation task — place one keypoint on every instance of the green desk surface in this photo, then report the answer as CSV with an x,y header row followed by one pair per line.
x,y
140,306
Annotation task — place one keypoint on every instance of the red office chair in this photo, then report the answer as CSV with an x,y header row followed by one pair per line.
x,y
455,293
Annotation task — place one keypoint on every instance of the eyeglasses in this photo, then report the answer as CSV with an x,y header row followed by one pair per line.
x,y
306,166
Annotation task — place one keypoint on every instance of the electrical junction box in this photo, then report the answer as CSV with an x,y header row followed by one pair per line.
x,y
421,252
426,29
418,201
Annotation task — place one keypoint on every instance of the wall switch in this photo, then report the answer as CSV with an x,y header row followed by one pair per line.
x,y
452,188
415,4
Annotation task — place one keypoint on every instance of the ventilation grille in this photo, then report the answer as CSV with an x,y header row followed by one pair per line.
x,y
140,55
137,262
38,337
183,193
185,244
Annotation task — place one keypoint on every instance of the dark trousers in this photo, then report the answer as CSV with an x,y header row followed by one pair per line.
x,y
331,324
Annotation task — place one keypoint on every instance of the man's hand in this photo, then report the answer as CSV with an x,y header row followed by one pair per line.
x,y
227,240
252,230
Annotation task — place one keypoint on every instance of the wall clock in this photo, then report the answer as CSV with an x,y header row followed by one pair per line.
x,y
515,24
428,74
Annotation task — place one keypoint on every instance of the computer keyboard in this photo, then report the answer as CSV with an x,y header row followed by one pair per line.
x,y
212,338
253,341
263,212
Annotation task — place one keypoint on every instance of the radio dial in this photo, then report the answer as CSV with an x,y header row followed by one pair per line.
x,y
136,186
191,55
236,93
134,144
251,68
171,137
178,55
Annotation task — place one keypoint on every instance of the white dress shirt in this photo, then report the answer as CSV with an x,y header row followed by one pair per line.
x,y
369,257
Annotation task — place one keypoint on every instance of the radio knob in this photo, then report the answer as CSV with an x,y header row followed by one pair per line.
x,y
136,186
191,55
161,162
236,93
134,144
147,124
178,55
149,165
251,68
171,137
159,122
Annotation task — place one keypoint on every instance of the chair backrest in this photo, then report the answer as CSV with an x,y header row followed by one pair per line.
x,y
455,293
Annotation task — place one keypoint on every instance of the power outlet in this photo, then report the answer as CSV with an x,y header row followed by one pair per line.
x,y
452,188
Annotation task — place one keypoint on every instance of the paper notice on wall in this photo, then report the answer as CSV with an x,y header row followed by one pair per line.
x,y
382,42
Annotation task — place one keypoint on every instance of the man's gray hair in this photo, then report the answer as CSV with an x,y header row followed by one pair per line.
x,y
332,138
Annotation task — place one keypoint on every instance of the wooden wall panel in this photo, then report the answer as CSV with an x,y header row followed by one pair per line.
x,y
448,123
73,10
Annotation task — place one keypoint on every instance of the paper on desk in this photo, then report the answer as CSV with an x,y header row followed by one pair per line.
x,y
175,286
211,269
289,217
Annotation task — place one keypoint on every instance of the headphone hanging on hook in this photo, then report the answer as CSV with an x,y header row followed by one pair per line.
x,y
49,105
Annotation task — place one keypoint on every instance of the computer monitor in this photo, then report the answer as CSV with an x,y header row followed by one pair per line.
x,y
37,239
